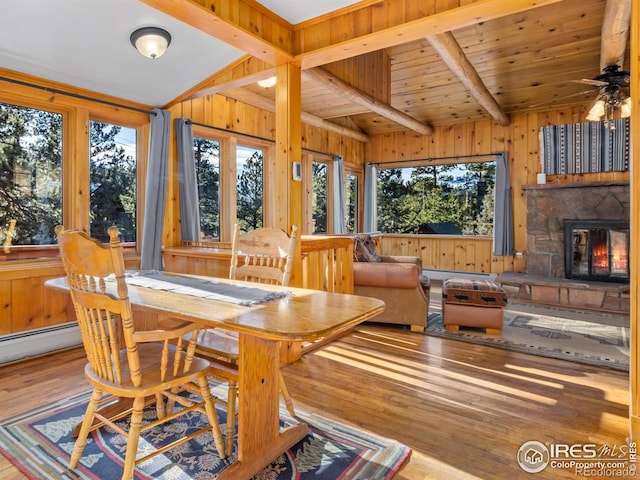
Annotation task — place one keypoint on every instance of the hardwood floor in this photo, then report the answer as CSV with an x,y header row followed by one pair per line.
x,y
465,410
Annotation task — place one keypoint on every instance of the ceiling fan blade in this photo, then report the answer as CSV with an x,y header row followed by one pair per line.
x,y
561,98
589,81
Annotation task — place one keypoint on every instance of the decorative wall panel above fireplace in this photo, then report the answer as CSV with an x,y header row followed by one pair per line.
x,y
585,147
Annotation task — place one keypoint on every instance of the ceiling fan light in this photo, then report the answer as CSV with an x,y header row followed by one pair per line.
x,y
151,42
268,82
597,111
625,108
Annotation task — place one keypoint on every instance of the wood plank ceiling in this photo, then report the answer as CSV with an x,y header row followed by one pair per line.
x,y
528,61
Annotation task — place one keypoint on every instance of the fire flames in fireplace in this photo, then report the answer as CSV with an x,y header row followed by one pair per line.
x,y
596,250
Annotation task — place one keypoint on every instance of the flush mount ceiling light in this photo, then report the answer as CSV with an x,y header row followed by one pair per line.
x,y
151,42
268,82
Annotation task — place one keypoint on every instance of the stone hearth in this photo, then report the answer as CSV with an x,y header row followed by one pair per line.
x,y
605,296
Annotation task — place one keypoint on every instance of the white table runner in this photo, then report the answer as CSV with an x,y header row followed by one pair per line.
x,y
199,287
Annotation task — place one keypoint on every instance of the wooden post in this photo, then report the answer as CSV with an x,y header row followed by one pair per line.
x,y
635,229
287,199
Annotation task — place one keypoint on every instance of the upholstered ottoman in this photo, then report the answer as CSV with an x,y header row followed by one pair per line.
x,y
473,303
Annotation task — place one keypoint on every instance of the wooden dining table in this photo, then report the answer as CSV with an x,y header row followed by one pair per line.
x,y
301,315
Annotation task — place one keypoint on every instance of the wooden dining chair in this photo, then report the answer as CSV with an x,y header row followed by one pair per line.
x,y
264,255
125,363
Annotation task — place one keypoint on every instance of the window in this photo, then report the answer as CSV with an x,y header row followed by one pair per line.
x,y
207,155
320,205
113,192
249,187
454,199
352,203
30,175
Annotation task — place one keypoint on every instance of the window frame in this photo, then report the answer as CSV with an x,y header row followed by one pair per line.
x,y
228,174
76,116
418,164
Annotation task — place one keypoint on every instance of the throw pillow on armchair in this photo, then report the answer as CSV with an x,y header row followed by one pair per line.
x,y
364,249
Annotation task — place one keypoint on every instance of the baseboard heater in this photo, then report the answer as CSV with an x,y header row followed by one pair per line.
x,y
30,343
442,275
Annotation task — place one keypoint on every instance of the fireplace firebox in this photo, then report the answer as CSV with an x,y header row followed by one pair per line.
x,y
596,250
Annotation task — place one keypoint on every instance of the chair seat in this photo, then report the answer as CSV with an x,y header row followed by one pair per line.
x,y
148,354
219,343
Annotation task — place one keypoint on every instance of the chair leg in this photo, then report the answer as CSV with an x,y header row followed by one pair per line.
x,y
133,438
87,422
160,409
205,392
232,395
285,395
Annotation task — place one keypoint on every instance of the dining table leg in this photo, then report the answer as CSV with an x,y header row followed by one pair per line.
x,y
260,438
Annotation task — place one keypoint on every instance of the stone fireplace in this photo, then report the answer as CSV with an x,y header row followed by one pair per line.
x,y
550,206
600,212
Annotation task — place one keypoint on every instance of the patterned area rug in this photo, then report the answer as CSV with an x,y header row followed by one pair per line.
x,y
39,444
589,337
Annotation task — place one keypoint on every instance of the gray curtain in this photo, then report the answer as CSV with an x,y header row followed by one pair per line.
x,y
370,198
338,188
503,216
188,181
156,190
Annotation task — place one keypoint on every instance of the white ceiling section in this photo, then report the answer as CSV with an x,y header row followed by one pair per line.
x,y
85,43
297,11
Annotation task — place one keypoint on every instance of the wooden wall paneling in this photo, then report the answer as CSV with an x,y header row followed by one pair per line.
x,y
446,141
58,307
499,138
388,14
481,138
210,111
413,247
460,254
484,256
5,307
447,255
519,168
462,139
427,253
185,110
27,299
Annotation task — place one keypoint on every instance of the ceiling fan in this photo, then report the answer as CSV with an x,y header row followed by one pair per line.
x,y
614,93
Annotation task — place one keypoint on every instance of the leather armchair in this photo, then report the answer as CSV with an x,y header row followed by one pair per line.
x,y
398,281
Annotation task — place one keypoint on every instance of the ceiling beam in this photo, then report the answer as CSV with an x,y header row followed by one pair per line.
x,y
451,53
245,96
615,32
445,21
370,103
224,29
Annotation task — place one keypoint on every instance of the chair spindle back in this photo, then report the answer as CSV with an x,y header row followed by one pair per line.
x,y
264,255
